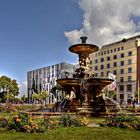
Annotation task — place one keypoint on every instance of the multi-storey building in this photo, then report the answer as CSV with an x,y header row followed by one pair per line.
x,y
121,58
45,79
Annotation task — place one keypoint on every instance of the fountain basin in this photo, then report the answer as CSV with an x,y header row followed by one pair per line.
x,y
77,81
83,48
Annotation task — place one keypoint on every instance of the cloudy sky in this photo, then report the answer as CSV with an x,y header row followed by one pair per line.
x,y
37,33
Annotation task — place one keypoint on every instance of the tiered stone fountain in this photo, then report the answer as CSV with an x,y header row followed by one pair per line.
x,y
88,89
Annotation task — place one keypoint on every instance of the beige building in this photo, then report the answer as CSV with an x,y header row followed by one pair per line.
x,y
122,59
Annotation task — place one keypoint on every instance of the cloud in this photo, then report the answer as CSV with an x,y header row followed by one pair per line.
x,y
106,21
23,88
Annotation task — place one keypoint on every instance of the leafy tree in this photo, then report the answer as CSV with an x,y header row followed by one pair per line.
x,y
8,88
136,95
24,99
36,97
44,94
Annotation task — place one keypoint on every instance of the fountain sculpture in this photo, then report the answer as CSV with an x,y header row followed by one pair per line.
x,y
86,87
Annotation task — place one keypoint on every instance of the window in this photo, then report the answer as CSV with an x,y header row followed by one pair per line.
x,y
90,62
102,66
115,56
122,63
111,51
121,88
121,71
102,59
104,52
96,60
118,49
129,78
96,67
115,72
96,74
122,55
122,48
129,88
102,74
107,73
108,51
130,53
129,61
108,65
108,58
115,50
115,64
101,53
129,70
121,79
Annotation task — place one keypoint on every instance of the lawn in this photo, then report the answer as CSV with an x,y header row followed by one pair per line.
x,y
76,133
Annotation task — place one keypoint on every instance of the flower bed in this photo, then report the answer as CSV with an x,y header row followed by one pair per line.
x,y
22,122
122,120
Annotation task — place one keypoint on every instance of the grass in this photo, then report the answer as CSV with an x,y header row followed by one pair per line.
x,y
76,133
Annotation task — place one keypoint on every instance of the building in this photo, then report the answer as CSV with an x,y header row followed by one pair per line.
x,y
45,79
121,58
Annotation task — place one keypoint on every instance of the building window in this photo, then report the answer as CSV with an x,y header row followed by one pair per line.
x,y
129,78
122,63
96,67
129,61
115,56
96,60
102,74
121,88
107,73
122,48
91,62
111,51
101,53
108,51
102,59
115,72
129,88
118,49
129,70
130,53
98,54
108,65
121,79
122,55
115,50
96,74
102,67
108,58
115,64
121,71
104,52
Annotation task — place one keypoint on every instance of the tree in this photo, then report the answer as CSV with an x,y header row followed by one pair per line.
x,y
137,94
44,94
36,97
24,99
8,88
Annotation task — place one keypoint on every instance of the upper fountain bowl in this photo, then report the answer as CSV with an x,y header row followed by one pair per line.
x,y
83,48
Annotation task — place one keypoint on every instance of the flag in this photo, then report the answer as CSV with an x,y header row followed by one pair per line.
x,y
113,85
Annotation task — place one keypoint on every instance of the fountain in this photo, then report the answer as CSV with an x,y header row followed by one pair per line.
x,y
86,88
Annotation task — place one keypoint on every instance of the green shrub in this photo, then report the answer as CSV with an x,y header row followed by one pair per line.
x,y
122,120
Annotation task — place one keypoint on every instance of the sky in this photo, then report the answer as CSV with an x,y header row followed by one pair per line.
x,y
38,33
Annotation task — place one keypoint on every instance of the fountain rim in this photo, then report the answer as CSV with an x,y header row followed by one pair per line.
x,y
77,81
81,47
